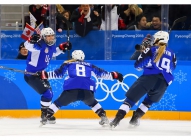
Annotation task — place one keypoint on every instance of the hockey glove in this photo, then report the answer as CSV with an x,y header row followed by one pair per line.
x,y
42,74
147,41
65,46
34,38
117,76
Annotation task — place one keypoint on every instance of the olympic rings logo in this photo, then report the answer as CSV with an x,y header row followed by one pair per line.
x,y
114,88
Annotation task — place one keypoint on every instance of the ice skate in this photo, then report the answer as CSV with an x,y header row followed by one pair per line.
x,y
51,120
135,120
115,122
104,121
43,121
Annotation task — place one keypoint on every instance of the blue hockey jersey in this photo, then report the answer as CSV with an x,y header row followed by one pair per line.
x,y
40,54
165,65
79,75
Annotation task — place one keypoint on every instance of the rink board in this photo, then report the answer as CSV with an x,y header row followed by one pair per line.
x,y
89,114
17,99
122,43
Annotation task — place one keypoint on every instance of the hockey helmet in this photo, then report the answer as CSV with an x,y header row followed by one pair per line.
x,y
78,55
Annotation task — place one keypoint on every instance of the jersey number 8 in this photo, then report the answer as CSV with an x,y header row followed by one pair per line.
x,y
80,70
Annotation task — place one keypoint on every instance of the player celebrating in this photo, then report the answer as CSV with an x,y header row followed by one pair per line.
x,y
79,85
41,50
158,62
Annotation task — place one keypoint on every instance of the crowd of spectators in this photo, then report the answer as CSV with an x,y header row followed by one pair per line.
x,y
86,17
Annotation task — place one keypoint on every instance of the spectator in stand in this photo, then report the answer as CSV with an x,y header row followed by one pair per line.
x,y
97,7
151,10
115,11
23,52
40,12
131,13
123,8
156,23
59,11
59,8
121,22
141,22
85,19
62,19
70,8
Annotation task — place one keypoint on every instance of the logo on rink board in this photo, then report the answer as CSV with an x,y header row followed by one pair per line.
x,y
114,87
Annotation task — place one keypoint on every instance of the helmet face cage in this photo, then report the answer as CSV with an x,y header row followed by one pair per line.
x,y
161,36
78,55
45,32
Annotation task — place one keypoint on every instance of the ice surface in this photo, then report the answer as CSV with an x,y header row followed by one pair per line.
x,y
88,127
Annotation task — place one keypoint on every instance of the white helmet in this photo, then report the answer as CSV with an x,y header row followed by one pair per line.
x,y
44,33
162,36
78,55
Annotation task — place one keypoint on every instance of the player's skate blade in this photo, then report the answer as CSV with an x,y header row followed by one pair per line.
x,y
135,120
43,122
132,126
52,120
114,123
104,121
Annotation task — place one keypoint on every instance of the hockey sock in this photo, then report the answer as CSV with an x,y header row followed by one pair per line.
x,y
100,112
124,108
98,109
121,114
51,110
143,108
46,100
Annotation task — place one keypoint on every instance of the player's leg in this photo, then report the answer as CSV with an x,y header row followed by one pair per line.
x,y
141,110
153,96
44,89
90,100
122,111
64,99
135,92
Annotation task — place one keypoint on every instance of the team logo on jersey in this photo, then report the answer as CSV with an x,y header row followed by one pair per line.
x,y
46,50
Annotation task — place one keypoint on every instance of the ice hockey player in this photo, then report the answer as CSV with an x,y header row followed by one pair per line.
x,y
79,85
158,62
41,50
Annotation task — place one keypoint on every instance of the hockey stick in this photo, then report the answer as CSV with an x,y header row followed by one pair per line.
x,y
181,19
68,34
16,70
